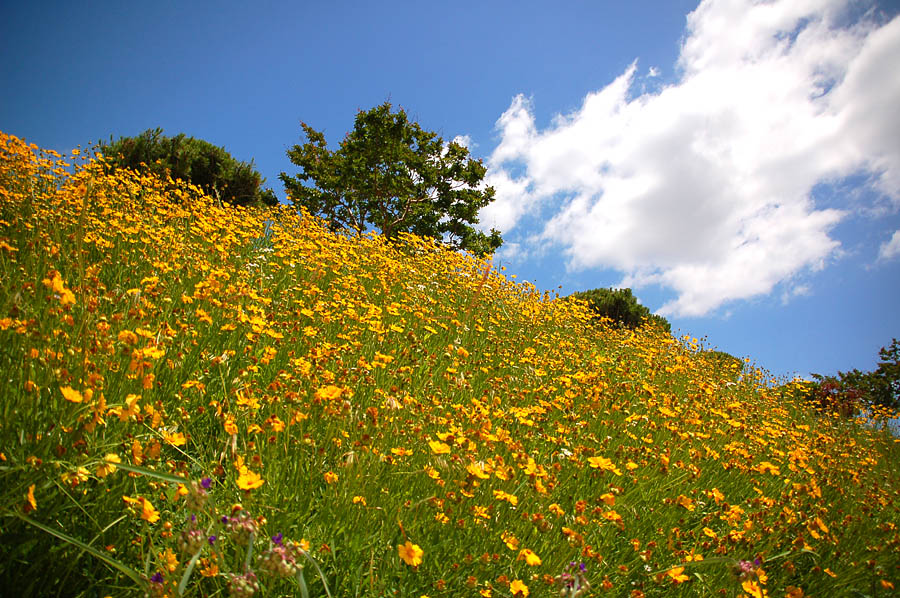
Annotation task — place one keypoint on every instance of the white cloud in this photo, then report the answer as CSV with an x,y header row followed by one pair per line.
x,y
890,249
704,186
465,141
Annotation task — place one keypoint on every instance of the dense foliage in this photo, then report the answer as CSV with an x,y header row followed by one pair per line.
x,y
196,161
856,389
208,400
390,174
621,307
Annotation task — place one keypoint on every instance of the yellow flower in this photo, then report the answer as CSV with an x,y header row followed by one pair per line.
x,y
329,393
753,588
685,502
330,477
230,426
477,470
148,513
168,560
174,438
603,464
510,540
410,553
501,495
529,556
438,448
248,480
108,465
70,394
518,588
676,574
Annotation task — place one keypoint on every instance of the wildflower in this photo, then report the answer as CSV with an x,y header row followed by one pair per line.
x,y
753,589
501,495
66,297
676,574
410,553
518,588
572,582
169,560
30,502
241,527
438,447
191,541
529,557
685,502
329,393
510,540
70,394
148,512
243,586
249,480
330,477
174,438
108,465
603,464
279,560
477,470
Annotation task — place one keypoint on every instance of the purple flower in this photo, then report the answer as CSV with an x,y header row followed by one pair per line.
x,y
277,538
157,578
206,483
212,540
224,518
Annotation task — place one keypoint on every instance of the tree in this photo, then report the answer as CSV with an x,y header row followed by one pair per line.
x,y
392,175
620,306
878,387
193,160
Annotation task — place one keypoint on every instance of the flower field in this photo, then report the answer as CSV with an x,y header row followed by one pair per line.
x,y
205,400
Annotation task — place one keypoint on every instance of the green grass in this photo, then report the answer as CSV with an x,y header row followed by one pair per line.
x,y
361,402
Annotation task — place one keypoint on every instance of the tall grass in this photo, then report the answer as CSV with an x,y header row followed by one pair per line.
x,y
204,400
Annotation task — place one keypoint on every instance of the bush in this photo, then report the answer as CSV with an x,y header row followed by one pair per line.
x,y
199,162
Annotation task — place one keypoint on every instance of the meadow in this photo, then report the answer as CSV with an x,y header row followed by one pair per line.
x,y
206,400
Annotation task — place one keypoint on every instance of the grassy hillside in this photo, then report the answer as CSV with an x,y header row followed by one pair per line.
x,y
211,401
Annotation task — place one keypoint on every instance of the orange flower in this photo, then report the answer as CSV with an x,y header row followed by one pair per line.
x,y
685,502
529,557
70,394
330,477
676,574
329,393
30,502
518,588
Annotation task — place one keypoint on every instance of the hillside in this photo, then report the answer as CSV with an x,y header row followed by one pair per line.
x,y
213,400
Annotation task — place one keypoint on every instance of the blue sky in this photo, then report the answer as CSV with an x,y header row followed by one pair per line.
x,y
736,163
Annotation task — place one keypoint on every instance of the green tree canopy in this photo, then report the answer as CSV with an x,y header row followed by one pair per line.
x,y
620,306
391,175
193,160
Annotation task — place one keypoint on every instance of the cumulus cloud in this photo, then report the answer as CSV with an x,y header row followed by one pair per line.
x,y
890,249
705,186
